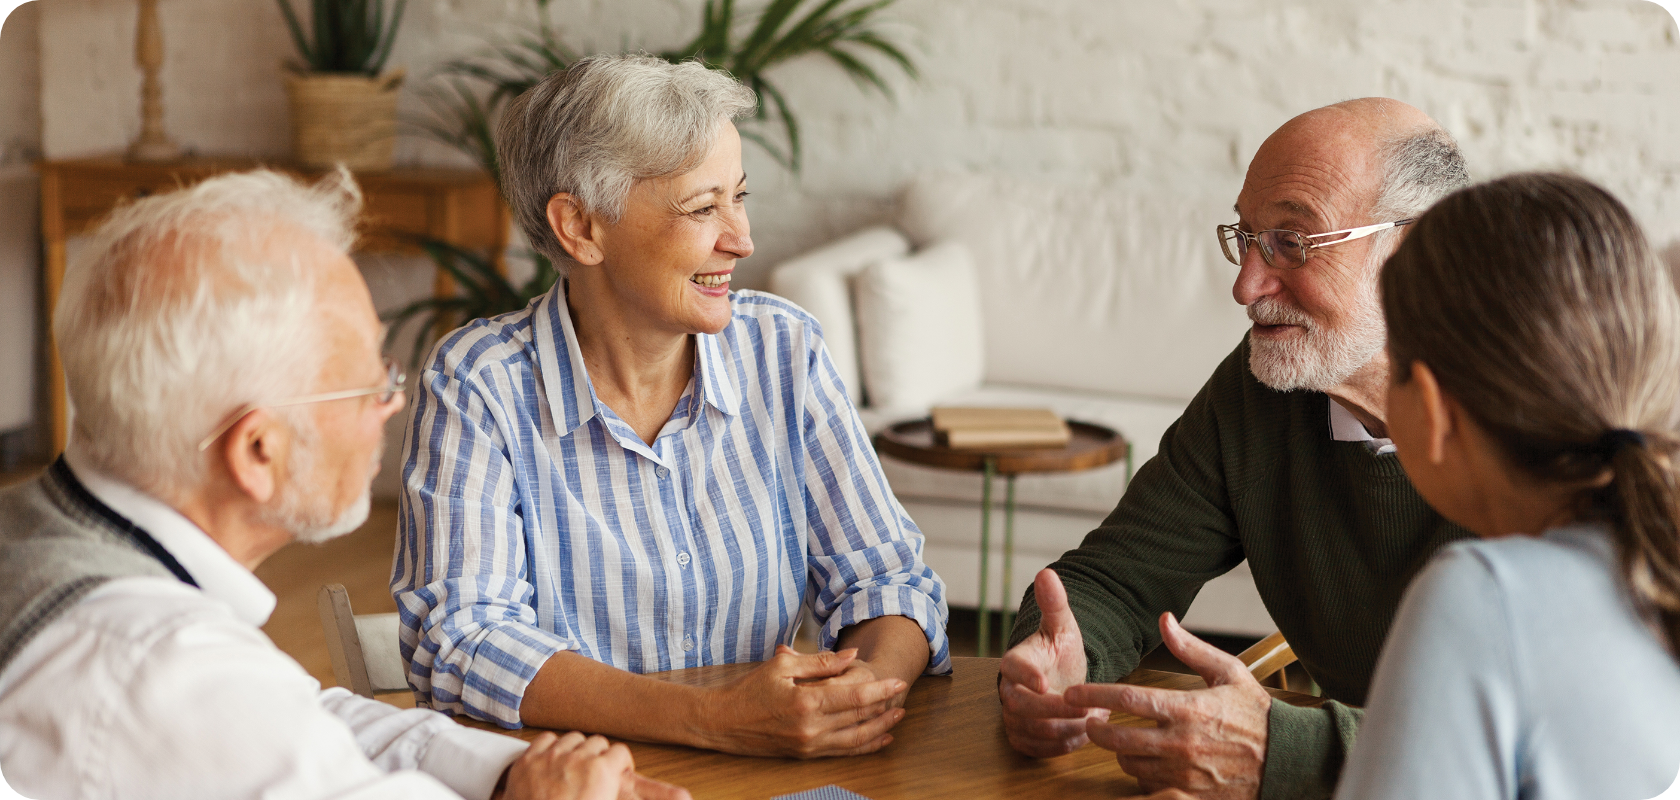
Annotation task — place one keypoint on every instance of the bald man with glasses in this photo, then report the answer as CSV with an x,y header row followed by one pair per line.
x,y
1282,459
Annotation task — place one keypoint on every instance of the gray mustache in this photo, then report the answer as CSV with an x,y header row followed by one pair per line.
x,y
1267,311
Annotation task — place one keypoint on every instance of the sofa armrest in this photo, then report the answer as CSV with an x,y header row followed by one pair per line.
x,y
820,282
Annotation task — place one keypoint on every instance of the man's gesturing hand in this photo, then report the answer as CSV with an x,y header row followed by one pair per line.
x,y
1038,721
1209,743
784,707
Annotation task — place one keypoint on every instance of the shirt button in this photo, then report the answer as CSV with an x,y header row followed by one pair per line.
x,y
688,643
682,558
662,472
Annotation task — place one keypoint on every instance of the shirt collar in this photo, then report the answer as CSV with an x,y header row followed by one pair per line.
x,y
217,574
718,384
1345,427
571,395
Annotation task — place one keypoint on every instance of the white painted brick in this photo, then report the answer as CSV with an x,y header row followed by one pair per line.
x,y
1145,96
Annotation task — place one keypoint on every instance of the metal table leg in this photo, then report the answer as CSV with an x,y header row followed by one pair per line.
x,y
982,617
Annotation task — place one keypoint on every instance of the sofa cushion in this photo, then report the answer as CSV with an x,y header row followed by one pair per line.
x,y
1141,420
820,282
919,331
1088,289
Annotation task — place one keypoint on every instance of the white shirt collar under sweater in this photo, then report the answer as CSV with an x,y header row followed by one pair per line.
x,y
1345,427
217,573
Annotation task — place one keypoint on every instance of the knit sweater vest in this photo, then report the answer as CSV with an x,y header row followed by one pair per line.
x,y
1332,531
57,543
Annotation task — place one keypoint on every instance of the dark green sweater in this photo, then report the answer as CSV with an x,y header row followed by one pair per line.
x,y
1332,532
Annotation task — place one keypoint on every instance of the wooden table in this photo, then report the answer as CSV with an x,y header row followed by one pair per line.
x,y
459,206
950,744
1090,446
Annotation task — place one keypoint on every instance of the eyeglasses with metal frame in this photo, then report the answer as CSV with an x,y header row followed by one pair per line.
x,y
393,385
1283,249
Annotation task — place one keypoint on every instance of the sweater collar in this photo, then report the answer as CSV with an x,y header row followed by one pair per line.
x,y
216,572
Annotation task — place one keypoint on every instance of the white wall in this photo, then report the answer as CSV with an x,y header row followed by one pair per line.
x,y
1141,95
20,141
1144,96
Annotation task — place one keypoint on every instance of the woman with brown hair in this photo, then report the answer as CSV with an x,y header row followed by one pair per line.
x,y
1534,342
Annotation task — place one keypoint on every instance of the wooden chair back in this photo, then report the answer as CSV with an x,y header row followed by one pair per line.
x,y
1268,657
365,658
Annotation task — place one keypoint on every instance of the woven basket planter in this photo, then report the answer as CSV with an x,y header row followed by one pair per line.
x,y
344,119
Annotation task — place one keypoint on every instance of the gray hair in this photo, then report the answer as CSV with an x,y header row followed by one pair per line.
x,y
1418,170
608,121
180,310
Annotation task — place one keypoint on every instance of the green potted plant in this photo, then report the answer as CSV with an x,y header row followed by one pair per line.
x,y
343,102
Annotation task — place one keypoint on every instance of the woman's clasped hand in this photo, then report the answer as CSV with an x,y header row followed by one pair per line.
x,y
807,706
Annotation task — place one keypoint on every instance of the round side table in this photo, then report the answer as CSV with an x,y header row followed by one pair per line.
x,y
1092,446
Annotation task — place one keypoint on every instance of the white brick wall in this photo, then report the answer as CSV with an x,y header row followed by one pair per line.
x,y
1140,95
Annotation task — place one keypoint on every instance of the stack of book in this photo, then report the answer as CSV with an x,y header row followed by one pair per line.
x,y
986,428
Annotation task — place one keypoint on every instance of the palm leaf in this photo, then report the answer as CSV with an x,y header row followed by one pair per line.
x,y
776,153
864,74
874,42
749,58
798,38
298,37
790,125
345,35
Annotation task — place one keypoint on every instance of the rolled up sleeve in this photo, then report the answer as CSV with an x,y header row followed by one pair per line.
x,y
865,553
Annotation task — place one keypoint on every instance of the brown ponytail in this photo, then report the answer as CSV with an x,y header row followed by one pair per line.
x,y
1645,506
1538,304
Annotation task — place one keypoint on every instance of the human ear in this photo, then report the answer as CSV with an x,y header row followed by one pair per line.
x,y
253,450
1440,413
578,231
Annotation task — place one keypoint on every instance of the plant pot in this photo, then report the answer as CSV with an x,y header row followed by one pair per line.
x,y
344,119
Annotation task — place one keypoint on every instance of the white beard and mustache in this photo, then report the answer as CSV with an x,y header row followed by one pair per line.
x,y
303,507
1323,357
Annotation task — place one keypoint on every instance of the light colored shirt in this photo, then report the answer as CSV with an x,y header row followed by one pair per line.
x,y
1345,427
535,520
150,688
1519,668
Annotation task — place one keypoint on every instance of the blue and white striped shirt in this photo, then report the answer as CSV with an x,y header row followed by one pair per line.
x,y
534,519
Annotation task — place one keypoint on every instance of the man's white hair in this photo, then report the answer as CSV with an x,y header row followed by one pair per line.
x,y
180,310
606,122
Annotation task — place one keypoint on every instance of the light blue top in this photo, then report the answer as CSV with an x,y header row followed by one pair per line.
x,y
535,520
1519,668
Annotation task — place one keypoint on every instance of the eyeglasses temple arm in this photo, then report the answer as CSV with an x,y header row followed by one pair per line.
x,y
296,401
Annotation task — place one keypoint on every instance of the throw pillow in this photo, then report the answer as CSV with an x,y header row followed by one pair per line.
x,y
919,332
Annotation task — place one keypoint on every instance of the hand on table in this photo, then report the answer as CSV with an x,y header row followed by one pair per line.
x,y
858,672
1037,718
575,767
1209,743
806,706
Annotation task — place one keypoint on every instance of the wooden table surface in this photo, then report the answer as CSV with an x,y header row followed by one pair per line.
x,y
950,744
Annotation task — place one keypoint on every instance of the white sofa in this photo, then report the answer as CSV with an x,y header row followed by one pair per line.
x,y
1105,307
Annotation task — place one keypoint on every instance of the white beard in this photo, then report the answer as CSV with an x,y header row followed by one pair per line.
x,y
304,510
1321,359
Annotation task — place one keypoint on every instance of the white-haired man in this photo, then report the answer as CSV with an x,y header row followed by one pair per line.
x,y
1281,459
223,356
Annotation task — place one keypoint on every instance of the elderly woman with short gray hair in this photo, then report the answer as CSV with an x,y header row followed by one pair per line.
x,y
644,471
